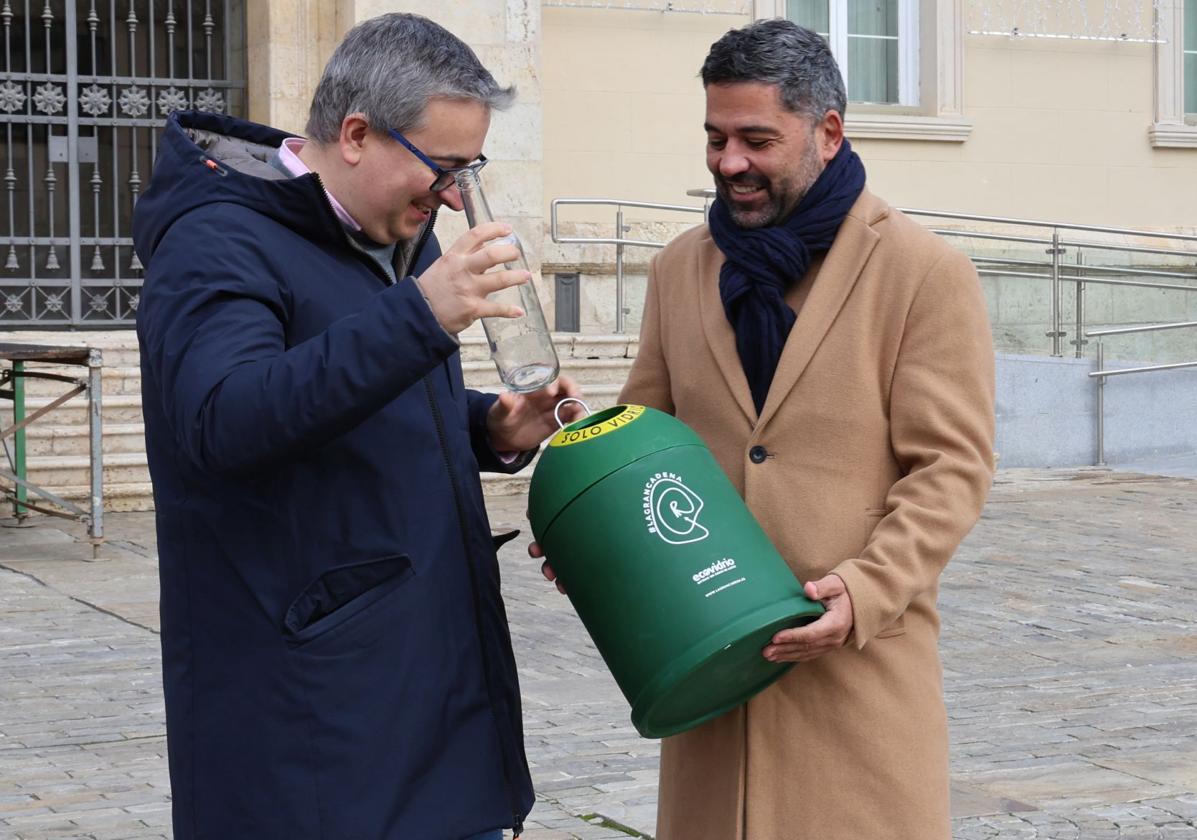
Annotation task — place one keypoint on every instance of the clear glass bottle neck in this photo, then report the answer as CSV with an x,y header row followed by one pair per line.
x,y
473,199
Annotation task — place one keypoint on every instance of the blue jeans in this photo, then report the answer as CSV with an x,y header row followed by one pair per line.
x,y
497,834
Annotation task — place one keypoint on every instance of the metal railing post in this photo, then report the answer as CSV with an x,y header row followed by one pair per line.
x,y
1056,333
619,232
95,364
1101,405
1080,341
18,438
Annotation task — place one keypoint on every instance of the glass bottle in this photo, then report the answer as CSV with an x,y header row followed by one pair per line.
x,y
522,348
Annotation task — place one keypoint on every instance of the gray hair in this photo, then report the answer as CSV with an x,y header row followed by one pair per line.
x,y
389,67
780,52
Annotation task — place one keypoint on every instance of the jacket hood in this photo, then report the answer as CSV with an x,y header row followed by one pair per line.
x,y
208,158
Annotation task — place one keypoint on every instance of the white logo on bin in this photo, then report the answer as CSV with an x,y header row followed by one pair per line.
x,y
727,564
671,510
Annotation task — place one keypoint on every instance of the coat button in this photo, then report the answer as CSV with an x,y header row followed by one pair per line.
x,y
758,454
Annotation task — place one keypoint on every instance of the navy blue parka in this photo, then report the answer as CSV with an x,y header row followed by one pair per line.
x,y
336,657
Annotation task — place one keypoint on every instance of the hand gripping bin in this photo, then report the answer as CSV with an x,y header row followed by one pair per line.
x,y
674,579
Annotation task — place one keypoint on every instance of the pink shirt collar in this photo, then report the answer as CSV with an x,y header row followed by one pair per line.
x,y
288,156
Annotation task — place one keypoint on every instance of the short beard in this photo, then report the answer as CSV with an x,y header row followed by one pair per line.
x,y
783,196
778,204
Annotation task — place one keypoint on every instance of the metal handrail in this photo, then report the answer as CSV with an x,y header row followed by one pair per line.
x,y
1179,325
1080,274
1108,269
1075,243
1085,278
1001,220
708,193
1057,245
619,242
1056,271
1102,374
1145,369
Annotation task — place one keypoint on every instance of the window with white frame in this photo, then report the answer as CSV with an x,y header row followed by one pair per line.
x,y
1190,57
875,43
1175,124
900,87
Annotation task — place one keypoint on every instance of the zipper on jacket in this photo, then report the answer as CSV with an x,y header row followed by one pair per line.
x,y
370,262
518,823
424,236
438,420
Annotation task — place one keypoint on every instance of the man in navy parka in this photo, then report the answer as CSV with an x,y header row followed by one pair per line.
x,y
336,656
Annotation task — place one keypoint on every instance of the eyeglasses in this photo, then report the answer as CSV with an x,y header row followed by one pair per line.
x,y
443,178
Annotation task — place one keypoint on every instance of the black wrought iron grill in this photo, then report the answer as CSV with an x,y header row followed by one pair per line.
x,y
83,94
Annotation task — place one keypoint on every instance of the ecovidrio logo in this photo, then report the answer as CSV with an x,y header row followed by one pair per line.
x,y
671,510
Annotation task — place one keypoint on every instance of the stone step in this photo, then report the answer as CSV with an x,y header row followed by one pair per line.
x,y
596,398
139,495
119,347
125,408
479,373
575,352
58,443
568,346
56,471
582,357
115,410
498,484
124,430
586,372
76,440
114,381
117,497
126,474
129,439
132,496
122,493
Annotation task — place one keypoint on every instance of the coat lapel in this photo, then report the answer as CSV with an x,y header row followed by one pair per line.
x,y
835,281
718,330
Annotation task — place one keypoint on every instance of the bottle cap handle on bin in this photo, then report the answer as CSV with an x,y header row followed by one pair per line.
x,y
557,410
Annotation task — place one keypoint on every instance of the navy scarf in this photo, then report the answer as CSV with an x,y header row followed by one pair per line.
x,y
761,264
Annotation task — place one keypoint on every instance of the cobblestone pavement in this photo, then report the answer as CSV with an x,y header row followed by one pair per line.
x,y
1070,649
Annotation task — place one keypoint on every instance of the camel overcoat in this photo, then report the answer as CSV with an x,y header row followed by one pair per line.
x,y
878,439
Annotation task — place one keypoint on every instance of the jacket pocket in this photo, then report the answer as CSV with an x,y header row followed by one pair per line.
x,y
340,594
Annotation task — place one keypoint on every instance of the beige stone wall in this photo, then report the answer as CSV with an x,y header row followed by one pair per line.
x,y
288,42
1060,127
1060,132
623,104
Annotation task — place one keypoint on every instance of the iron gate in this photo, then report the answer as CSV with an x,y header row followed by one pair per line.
x,y
85,89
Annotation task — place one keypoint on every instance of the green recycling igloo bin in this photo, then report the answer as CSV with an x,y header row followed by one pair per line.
x,y
676,582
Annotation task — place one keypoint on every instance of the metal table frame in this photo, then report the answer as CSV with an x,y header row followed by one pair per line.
x,y
17,488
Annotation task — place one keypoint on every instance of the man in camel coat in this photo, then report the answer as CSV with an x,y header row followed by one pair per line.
x,y
836,357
